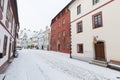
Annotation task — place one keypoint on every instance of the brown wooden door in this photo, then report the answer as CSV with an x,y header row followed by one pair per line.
x,y
99,51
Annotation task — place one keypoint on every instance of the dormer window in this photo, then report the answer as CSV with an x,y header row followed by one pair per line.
x,y
95,1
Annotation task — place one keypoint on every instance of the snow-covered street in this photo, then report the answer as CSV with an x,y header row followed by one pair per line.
x,y
45,65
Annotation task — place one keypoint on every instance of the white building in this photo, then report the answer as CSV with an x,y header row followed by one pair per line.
x,y
40,39
35,39
28,39
46,37
9,27
24,41
95,30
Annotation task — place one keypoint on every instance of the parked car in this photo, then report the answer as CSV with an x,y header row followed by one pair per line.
x,y
18,48
16,54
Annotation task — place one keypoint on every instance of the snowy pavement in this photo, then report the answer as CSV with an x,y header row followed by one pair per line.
x,y
45,65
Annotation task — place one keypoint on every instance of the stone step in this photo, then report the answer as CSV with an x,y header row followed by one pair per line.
x,y
103,62
100,63
114,66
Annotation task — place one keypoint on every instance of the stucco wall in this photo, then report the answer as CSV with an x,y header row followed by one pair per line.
x,y
109,33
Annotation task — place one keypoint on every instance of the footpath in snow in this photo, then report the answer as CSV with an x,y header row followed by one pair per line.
x,y
47,65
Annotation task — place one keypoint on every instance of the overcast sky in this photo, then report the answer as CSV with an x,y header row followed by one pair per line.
x,y
37,14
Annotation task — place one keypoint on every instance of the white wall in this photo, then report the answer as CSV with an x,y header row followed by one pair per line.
x,y
110,32
3,32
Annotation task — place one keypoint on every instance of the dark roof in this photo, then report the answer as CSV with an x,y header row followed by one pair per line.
x,y
63,9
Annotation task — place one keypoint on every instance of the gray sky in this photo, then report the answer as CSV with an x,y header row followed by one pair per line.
x,y
36,14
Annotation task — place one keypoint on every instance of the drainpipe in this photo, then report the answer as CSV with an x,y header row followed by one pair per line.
x,y
70,43
70,34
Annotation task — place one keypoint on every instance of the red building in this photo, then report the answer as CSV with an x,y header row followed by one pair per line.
x,y
60,31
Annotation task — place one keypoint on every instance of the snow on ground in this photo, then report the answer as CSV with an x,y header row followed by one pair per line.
x,y
48,65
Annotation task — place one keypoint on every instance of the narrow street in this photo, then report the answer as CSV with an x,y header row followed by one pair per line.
x,y
44,65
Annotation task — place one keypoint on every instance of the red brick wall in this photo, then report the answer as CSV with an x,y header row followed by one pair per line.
x,y
57,27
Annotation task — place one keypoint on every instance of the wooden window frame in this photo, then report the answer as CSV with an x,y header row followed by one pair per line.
x,y
79,9
81,25
98,25
78,48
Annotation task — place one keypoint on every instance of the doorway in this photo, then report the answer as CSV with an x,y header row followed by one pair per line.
x,y
99,51
58,47
9,54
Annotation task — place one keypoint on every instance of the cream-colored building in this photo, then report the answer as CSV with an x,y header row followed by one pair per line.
x,y
95,31
46,38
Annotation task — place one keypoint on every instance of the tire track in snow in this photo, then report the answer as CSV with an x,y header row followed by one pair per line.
x,y
70,69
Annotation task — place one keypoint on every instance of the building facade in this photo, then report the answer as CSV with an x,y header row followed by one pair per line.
x,y
28,39
95,29
40,40
46,38
34,40
9,27
60,31
24,41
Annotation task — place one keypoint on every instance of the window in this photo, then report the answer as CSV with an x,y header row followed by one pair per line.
x,y
1,4
5,45
79,48
8,12
78,9
97,20
95,2
63,21
59,24
79,27
59,35
63,33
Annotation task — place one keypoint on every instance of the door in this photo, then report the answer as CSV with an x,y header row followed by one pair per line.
x,y
58,47
99,51
9,51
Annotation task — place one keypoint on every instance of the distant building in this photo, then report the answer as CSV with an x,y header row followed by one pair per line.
x,y
28,39
30,43
9,27
24,41
40,40
35,40
46,38
60,31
